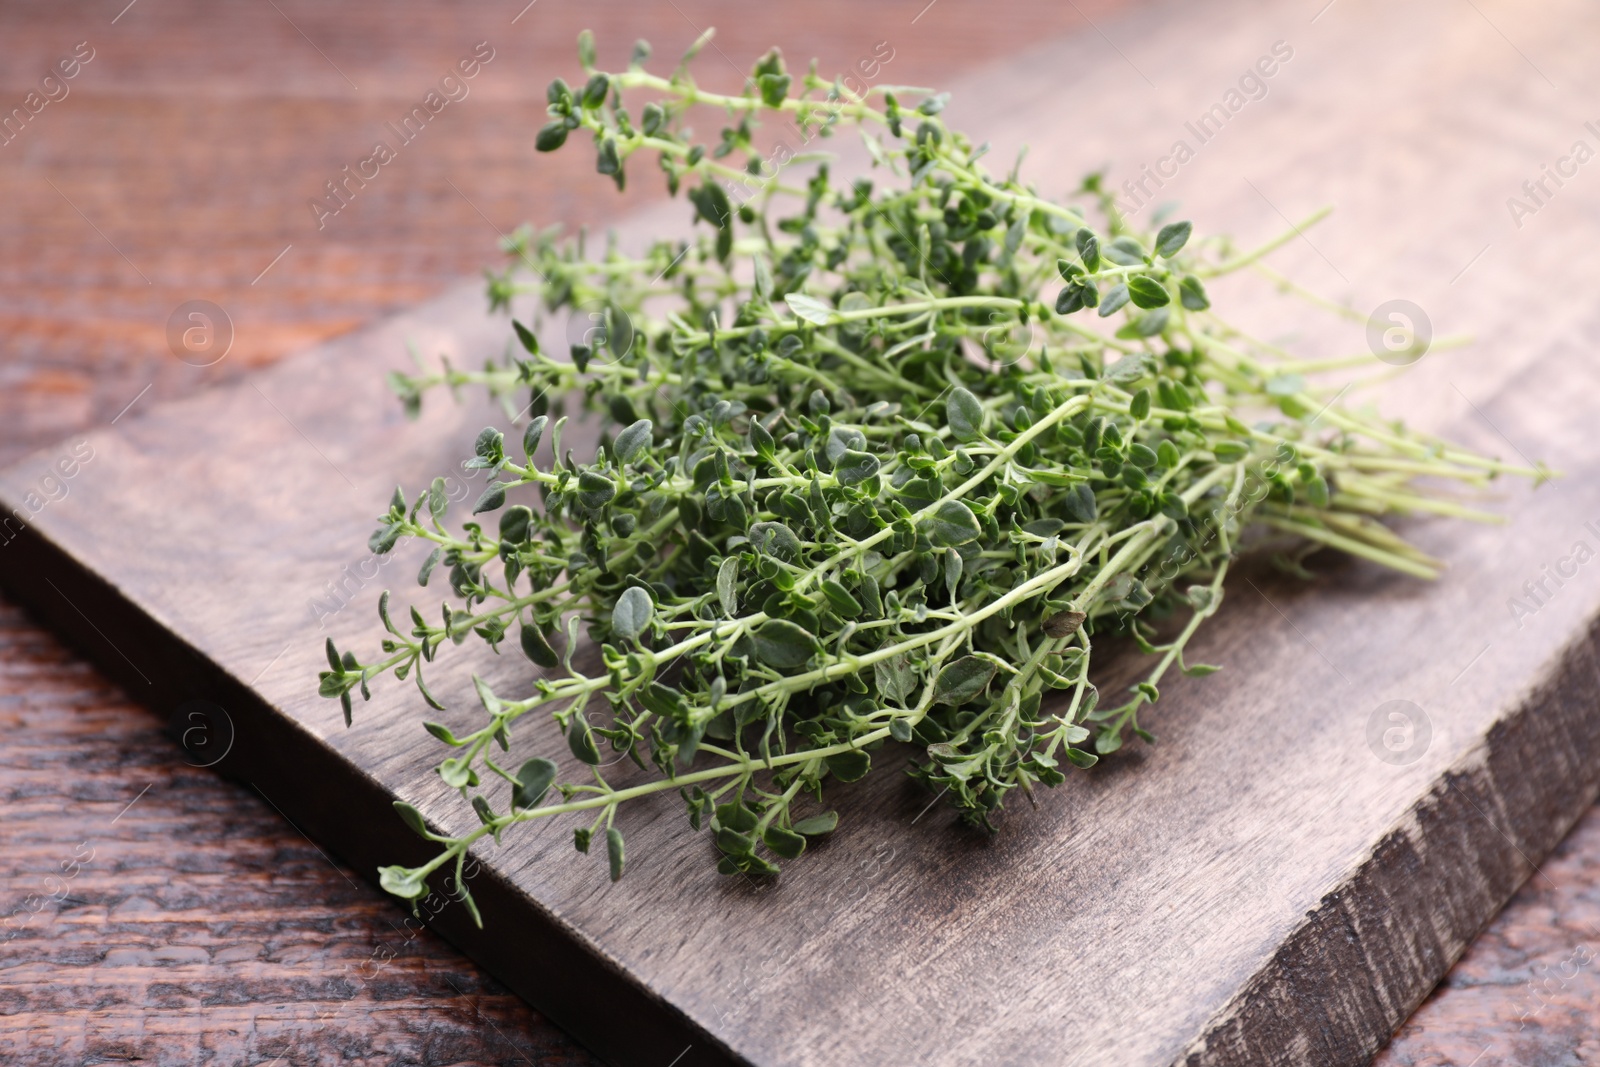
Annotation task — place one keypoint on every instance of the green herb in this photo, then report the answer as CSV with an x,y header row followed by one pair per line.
x,y
884,458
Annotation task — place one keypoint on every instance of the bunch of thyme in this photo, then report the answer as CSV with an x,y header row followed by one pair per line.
x,y
882,458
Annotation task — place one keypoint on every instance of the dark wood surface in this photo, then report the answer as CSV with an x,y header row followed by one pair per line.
x,y
193,140
161,1013
178,919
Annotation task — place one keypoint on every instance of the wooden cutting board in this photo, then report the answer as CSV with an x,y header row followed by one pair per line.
x,y
1280,880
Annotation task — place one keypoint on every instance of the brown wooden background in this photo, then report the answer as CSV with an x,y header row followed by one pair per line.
x,y
197,926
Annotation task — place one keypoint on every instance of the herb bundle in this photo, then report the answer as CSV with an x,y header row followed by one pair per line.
x,y
882,458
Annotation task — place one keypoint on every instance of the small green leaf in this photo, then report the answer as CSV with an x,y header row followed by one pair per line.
x,y
412,817
953,567
785,843
774,538
962,680
533,780
525,335
734,843
782,644
1124,251
580,739
951,524
851,766
514,524
652,119
492,498
536,647
403,882
817,825
632,614
1192,295
594,91
727,590
384,537
443,733
1144,456
1114,300
1075,298
1129,369
490,445
893,677
1080,504
809,308
491,703
965,414
1146,292
614,854
551,136
773,87
438,499
532,435
1139,406
632,441
1088,249
761,440
428,565
595,490
853,468
736,816
840,599
1172,238
455,773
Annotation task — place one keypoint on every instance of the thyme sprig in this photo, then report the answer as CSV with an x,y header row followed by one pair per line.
x,y
882,458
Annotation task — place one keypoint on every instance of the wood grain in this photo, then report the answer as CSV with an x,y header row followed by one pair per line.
x,y
1535,835
157,914
1525,992
181,162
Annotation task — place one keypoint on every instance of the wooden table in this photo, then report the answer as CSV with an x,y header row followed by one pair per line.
x,y
161,914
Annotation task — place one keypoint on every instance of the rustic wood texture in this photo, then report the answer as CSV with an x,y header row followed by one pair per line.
x,y
157,914
1525,992
1535,832
185,152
